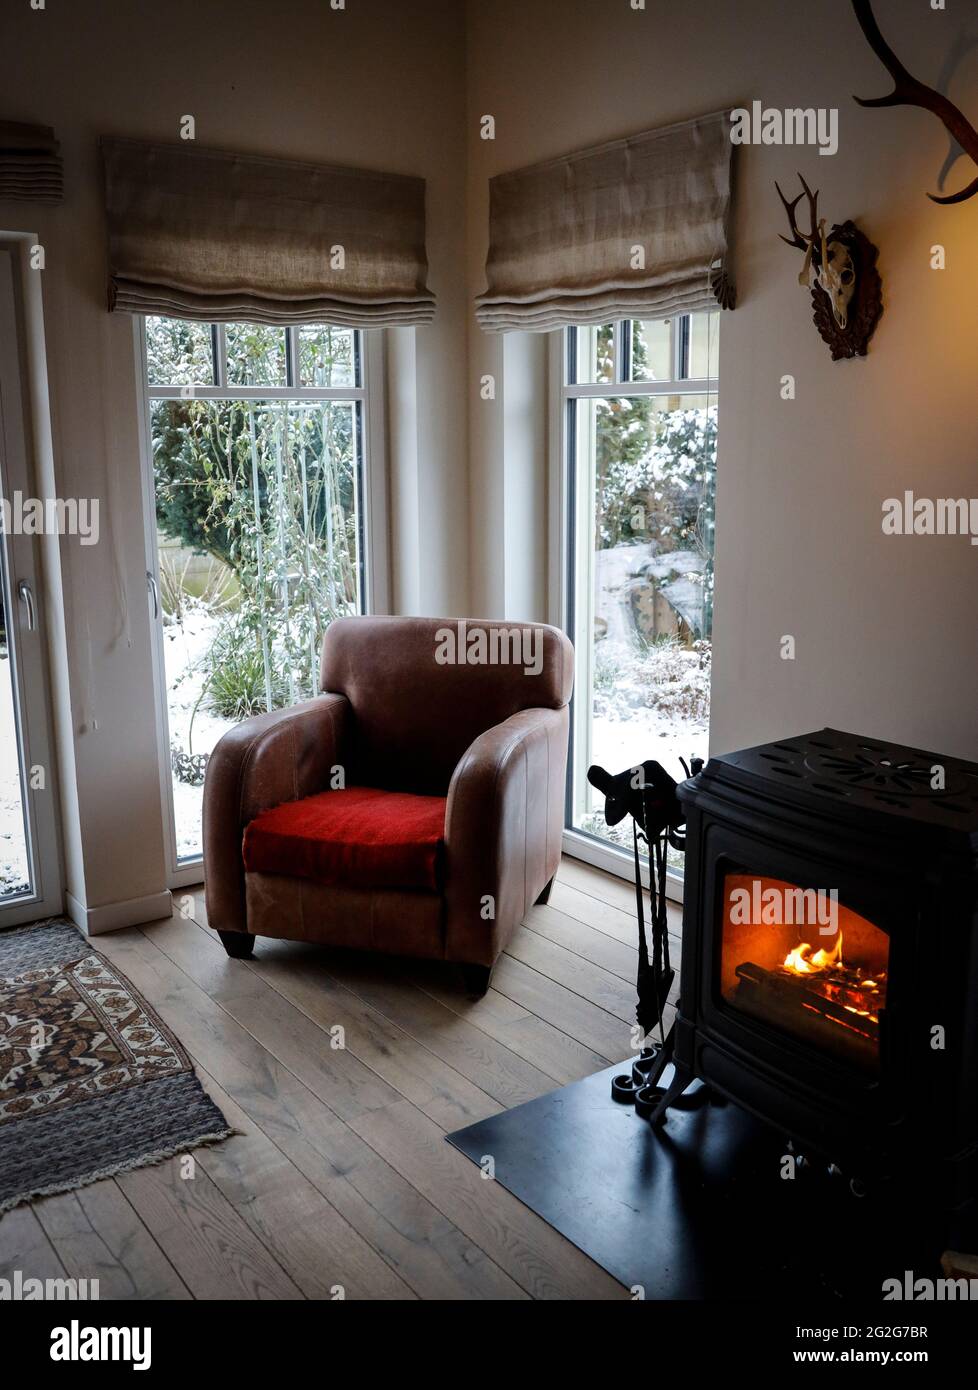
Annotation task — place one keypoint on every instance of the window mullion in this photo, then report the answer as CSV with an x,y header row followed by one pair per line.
x,y
215,353
291,357
221,356
680,328
625,364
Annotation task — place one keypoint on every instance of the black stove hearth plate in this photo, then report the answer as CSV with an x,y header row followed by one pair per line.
x,y
697,1209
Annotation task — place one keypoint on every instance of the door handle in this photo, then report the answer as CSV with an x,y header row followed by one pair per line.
x,y
154,590
26,595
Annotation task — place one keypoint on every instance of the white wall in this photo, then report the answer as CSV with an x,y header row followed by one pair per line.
x,y
379,85
885,627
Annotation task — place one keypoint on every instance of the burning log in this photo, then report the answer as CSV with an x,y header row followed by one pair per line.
x,y
817,996
808,995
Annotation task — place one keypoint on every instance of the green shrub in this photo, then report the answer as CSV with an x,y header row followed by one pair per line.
x,y
235,683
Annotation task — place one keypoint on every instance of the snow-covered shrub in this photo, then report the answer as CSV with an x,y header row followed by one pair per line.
x,y
663,675
676,679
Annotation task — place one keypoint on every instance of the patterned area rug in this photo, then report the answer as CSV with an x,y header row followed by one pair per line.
x,y
92,1083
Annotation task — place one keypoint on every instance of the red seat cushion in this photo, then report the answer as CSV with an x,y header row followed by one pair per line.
x,y
360,837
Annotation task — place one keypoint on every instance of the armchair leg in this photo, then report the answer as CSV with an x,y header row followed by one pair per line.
x,y
545,895
476,979
238,944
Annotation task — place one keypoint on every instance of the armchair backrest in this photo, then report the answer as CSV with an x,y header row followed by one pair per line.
x,y
423,689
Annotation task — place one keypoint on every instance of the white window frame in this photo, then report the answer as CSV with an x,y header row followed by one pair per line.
x,y
565,537
32,636
373,508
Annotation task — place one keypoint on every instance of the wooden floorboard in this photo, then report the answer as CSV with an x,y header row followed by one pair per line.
x,y
301,975
542,1261
559,1055
25,1248
617,957
341,1074
612,918
379,1206
208,1242
97,1234
308,1237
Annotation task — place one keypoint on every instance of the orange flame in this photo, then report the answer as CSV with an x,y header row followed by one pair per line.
x,y
801,962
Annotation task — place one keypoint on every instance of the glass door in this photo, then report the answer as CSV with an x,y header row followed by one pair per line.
x,y
256,473
799,960
30,878
640,430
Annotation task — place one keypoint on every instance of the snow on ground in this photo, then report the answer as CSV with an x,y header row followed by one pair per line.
x,y
641,717
625,731
185,646
649,700
14,874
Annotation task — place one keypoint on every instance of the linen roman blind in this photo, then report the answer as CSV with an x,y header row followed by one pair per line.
x,y
632,229
203,234
30,163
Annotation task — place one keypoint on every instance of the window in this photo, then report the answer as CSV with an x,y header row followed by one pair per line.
x,y
257,475
639,402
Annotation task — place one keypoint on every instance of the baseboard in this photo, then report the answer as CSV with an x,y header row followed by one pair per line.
x,y
94,921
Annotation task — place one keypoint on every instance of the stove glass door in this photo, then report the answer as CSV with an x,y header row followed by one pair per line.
x,y
800,961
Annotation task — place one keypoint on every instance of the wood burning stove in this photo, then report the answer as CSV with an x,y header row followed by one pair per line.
x,y
830,953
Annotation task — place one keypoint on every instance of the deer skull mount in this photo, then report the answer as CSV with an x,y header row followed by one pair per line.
x,y
840,269
837,277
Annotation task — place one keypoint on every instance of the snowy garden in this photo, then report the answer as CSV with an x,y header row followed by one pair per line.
x,y
258,536
651,578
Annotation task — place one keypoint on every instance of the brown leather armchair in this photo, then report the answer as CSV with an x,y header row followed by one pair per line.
x,y
398,713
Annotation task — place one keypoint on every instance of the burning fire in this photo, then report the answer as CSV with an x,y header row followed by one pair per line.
x,y
844,985
801,963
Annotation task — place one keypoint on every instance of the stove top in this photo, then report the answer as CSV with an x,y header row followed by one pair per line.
x,y
857,774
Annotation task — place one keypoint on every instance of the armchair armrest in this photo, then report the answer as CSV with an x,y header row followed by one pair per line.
x,y
261,762
503,828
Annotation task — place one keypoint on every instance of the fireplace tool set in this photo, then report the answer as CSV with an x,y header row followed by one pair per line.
x,y
648,794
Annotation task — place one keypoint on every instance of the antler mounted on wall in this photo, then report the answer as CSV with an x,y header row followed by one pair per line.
x,y
847,297
813,242
907,91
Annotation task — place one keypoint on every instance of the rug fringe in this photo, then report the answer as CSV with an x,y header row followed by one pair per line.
x,y
113,1169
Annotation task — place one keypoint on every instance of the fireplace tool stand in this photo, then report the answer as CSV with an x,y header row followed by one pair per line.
x,y
648,794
